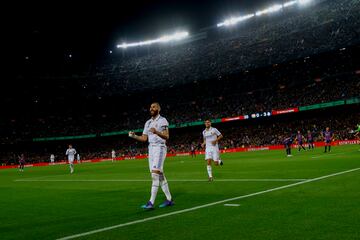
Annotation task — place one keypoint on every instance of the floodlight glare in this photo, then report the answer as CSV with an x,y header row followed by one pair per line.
x,y
303,2
235,20
167,38
288,4
274,8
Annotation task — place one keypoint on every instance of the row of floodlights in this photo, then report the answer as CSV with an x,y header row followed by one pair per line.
x,y
177,36
271,9
167,38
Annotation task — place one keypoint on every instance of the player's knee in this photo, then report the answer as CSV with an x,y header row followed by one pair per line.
x,y
156,171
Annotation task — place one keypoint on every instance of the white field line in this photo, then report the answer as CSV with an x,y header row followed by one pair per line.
x,y
231,205
205,205
169,180
328,155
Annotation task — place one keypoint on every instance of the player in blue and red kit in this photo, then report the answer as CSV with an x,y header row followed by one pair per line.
x,y
21,162
327,135
310,139
287,144
193,150
299,139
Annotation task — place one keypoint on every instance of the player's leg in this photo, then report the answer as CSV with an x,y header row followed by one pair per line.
x,y
71,165
209,169
155,176
163,181
329,146
325,147
303,147
208,159
216,158
289,146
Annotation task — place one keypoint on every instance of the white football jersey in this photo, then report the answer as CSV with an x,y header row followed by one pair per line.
x,y
113,154
70,152
210,136
160,124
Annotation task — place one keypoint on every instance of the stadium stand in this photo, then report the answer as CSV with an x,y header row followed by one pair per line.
x,y
295,58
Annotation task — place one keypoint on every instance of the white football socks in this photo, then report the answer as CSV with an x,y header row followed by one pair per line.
x,y
209,170
165,186
154,187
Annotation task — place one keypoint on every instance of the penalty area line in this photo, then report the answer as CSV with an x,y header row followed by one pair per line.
x,y
205,205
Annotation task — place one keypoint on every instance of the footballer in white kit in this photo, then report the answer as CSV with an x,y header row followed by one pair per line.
x,y
211,138
70,153
113,155
156,132
52,158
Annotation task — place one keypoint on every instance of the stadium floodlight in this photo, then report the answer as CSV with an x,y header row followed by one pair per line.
x,y
274,8
291,3
235,20
166,38
303,2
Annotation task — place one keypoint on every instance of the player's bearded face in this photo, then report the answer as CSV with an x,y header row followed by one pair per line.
x,y
154,111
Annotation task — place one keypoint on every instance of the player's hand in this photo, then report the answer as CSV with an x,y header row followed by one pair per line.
x,y
153,130
203,145
214,142
132,134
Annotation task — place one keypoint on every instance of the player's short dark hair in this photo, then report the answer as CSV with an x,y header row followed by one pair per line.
x,y
157,103
207,119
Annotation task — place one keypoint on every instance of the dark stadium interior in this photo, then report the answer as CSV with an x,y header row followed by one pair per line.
x,y
295,58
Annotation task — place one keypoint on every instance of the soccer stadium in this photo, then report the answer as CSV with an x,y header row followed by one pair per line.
x,y
182,120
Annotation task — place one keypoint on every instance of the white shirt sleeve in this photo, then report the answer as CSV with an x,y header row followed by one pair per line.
x,y
67,152
164,125
217,132
146,128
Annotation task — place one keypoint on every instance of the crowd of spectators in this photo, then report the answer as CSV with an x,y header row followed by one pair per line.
x,y
295,58
249,133
324,78
270,40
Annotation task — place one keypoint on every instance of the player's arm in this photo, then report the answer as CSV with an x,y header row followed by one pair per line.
x,y
142,138
204,143
217,139
164,134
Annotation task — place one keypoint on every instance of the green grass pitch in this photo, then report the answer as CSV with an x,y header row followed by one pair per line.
x,y
49,203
